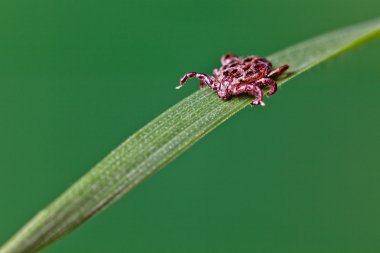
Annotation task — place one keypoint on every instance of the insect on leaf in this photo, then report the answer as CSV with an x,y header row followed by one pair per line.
x,y
165,138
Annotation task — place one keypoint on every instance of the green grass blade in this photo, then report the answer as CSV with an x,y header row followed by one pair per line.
x,y
165,138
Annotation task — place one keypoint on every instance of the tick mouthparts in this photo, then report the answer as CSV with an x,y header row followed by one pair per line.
x,y
178,87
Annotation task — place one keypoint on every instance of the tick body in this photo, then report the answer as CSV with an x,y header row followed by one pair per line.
x,y
239,75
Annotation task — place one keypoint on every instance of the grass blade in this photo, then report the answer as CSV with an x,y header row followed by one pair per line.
x,y
163,139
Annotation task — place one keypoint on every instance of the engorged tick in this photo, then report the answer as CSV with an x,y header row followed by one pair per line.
x,y
240,75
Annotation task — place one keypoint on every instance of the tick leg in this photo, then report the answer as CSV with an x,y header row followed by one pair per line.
x,y
249,88
278,71
223,94
205,79
267,81
258,97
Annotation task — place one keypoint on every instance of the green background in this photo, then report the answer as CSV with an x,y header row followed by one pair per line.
x,y
299,175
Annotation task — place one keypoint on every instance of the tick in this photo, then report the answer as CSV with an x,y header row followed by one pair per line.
x,y
239,75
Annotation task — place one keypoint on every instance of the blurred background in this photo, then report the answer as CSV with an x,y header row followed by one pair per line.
x,y
302,174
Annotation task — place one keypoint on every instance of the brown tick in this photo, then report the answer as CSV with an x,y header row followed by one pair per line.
x,y
240,75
